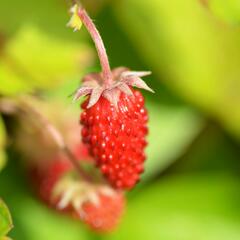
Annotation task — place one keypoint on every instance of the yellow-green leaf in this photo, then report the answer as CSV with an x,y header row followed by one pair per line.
x,y
12,81
5,219
190,207
43,61
192,52
2,144
228,11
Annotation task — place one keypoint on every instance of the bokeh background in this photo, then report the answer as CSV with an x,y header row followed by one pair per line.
x,y
191,187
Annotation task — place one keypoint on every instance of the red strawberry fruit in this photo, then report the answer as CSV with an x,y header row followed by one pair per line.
x,y
105,216
99,206
114,118
115,132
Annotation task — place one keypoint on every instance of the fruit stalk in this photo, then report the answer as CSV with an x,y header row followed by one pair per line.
x,y
102,54
10,106
57,137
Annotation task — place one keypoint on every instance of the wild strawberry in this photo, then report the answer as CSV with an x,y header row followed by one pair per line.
x,y
115,131
114,118
99,206
105,216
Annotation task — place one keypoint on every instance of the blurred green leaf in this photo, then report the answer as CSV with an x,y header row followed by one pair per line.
x,y
37,60
229,10
200,207
11,82
171,130
2,144
189,50
5,220
49,15
37,222
2,159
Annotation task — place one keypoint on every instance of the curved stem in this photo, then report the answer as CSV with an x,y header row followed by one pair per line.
x,y
10,106
102,54
57,138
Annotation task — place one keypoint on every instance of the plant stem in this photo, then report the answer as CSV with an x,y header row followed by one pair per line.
x,y
10,106
57,137
102,54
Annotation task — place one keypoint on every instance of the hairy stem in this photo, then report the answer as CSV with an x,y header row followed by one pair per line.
x,y
102,54
10,106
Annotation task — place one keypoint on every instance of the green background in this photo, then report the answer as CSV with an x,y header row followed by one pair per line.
x,y
190,189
